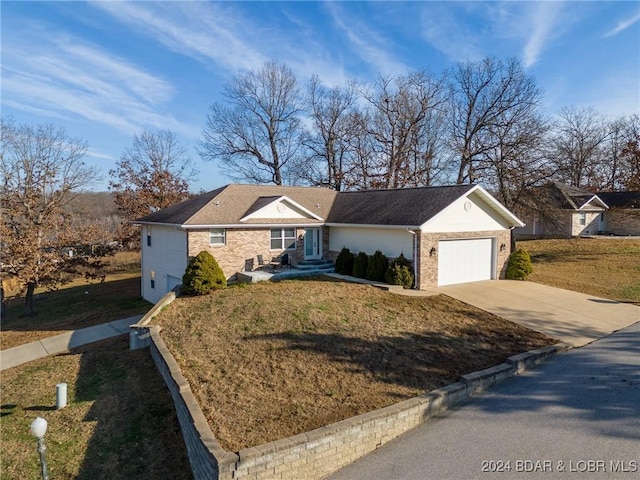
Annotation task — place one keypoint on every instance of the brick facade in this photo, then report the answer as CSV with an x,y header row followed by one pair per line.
x,y
623,221
241,248
428,264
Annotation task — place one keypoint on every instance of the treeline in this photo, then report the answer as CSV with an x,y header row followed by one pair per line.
x,y
479,122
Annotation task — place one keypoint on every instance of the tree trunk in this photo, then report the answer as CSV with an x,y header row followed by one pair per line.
x,y
28,299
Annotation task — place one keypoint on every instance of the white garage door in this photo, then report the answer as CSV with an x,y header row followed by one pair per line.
x,y
462,261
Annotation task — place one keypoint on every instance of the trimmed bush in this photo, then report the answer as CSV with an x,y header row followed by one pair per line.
x,y
360,265
400,272
344,262
203,275
378,265
519,266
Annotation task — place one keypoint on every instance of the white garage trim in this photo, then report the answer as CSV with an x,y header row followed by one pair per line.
x,y
466,260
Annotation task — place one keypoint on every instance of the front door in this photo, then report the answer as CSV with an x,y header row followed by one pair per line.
x,y
312,244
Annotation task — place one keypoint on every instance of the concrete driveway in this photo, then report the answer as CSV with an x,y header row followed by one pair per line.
x,y
571,317
575,417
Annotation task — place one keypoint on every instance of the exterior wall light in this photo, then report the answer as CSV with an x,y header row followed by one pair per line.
x,y
38,429
432,252
503,247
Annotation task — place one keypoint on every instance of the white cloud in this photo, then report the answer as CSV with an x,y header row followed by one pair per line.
x,y
61,76
204,31
544,17
623,25
445,30
371,46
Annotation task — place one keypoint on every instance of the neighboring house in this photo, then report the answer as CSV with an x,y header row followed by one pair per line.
x,y
452,234
623,215
562,211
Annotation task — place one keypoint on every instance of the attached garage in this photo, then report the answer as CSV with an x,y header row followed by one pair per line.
x,y
466,260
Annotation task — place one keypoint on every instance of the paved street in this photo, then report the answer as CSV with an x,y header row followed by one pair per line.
x,y
575,417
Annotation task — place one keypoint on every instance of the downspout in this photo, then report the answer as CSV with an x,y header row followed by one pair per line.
x,y
415,258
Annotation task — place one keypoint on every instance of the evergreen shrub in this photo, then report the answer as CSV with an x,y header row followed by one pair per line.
x,y
519,266
203,275
344,262
399,272
360,265
378,265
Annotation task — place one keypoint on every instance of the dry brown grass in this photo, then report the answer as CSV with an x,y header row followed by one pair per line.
x,y
78,304
119,424
608,268
274,359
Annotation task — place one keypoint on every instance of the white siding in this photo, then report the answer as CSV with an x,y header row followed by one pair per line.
x,y
167,256
279,210
391,242
477,217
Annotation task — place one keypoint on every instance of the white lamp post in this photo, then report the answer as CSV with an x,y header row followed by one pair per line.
x,y
38,429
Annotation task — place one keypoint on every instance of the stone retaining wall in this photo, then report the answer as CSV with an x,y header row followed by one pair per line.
x,y
316,454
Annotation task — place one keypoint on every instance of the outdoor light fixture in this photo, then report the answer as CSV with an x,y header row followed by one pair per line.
x,y
432,252
38,429
503,247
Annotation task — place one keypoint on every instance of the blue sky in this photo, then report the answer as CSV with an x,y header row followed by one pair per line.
x,y
107,70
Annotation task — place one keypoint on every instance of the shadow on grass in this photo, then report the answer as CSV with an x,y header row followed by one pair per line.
x,y
136,433
77,307
420,361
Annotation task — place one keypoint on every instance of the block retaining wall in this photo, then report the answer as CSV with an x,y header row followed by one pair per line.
x,y
316,454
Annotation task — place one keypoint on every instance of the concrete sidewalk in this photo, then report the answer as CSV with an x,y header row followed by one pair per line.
x,y
64,342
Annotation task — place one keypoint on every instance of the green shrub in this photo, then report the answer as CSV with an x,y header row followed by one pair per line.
x,y
203,274
400,272
378,265
519,265
360,265
344,262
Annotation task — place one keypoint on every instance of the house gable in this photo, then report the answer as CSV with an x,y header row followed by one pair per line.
x,y
277,208
474,211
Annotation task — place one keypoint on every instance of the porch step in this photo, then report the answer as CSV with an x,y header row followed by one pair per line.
x,y
314,265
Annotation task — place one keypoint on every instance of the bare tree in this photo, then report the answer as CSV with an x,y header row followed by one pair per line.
x,y
577,147
257,133
405,127
42,171
620,168
483,95
153,173
330,139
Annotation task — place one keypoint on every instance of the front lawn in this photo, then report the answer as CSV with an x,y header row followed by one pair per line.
x,y
78,304
271,360
120,422
604,267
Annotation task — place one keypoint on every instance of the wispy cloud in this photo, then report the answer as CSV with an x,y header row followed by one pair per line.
x,y
372,47
623,25
544,19
61,76
204,31
445,27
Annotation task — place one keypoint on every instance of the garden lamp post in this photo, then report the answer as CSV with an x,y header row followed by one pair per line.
x,y
38,429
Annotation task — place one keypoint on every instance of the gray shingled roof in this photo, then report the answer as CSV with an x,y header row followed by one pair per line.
x,y
621,199
568,197
227,205
411,206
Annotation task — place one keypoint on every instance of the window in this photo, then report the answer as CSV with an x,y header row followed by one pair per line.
x,y
283,238
582,219
153,279
217,236
148,240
